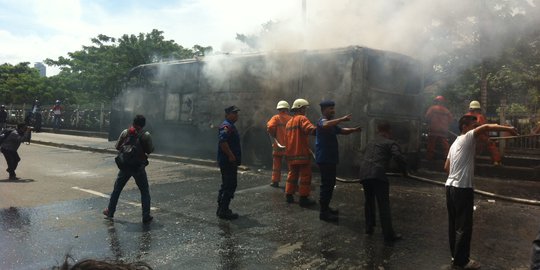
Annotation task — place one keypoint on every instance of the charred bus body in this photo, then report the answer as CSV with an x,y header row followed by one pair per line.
x,y
184,100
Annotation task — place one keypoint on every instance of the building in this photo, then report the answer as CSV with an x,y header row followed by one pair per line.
x,y
42,69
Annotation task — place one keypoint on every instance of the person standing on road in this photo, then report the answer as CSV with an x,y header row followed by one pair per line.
x,y
377,156
57,114
438,118
3,117
134,135
229,158
327,155
11,144
299,154
276,129
484,141
459,165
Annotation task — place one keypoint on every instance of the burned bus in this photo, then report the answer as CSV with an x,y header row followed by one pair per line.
x,y
184,100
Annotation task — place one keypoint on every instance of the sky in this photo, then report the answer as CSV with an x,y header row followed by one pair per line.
x,y
33,30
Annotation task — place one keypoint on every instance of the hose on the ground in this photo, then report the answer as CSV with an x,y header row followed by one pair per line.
x,y
427,180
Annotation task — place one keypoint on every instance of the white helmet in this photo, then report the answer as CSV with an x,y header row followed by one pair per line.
x,y
299,103
282,104
474,105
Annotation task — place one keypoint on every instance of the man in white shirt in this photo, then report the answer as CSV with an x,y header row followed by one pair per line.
x,y
459,188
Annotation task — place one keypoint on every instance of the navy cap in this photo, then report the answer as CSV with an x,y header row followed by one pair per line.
x,y
327,103
231,109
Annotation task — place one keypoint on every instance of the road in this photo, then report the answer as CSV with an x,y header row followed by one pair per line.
x,y
56,209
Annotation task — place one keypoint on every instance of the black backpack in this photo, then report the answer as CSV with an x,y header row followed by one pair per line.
x,y
4,134
130,153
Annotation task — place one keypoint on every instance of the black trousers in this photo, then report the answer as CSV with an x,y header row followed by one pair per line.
x,y
378,190
460,203
12,160
328,181
229,175
535,257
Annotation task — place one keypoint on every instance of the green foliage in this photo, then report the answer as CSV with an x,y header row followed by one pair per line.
x,y
510,66
97,72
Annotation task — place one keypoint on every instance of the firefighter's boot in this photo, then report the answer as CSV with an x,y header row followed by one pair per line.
x,y
306,202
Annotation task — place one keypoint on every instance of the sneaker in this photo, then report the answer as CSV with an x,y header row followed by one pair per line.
x,y
369,231
289,198
328,216
228,215
147,219
497,163
306,202
13,178
393,238
106,213
333,211
472,265
274,184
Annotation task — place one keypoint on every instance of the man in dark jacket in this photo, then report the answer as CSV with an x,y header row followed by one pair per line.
x,y
379,152
229,158
138,172
10,146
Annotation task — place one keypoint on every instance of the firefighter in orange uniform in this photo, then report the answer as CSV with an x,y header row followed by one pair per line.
x,y
298,130
276,129
484,141
439,119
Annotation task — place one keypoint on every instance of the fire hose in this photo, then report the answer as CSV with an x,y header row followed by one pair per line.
x,y
478,191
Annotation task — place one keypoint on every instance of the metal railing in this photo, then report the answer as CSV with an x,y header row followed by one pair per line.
x,y
79,117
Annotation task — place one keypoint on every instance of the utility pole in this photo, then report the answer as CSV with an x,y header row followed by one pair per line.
x,y
304,7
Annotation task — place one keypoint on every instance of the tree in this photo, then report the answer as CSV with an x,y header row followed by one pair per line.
x,y
97,72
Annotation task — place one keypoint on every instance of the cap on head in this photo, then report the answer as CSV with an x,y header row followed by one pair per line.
x,y
57,101
2,106
474,105
231,109
282,104
327,103
299,103
439,99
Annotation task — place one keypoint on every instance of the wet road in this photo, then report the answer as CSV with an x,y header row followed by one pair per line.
x,y
56,209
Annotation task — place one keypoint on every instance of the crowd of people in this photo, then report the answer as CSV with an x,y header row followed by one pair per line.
x,y
290,131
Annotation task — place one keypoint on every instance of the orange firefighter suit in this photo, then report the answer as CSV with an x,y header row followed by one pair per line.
x,y
484,141
299,155
439,119
276,128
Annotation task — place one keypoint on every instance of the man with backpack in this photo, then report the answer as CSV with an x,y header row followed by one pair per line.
x,y
10,140
134,145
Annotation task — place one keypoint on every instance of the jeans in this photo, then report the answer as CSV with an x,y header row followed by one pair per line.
x,y
460,203
141,179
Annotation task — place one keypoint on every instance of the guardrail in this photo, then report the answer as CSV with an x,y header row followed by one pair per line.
x,y
79,117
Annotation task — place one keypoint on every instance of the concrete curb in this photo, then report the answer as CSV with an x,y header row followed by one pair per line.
x,y
179,159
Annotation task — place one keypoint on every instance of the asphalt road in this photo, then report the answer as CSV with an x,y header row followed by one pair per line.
x,y
56,209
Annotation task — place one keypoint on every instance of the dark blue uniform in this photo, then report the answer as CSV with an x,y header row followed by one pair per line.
x,y
327,157
229,171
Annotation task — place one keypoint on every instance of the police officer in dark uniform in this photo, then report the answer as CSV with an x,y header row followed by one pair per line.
x,y
229,158
327,155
